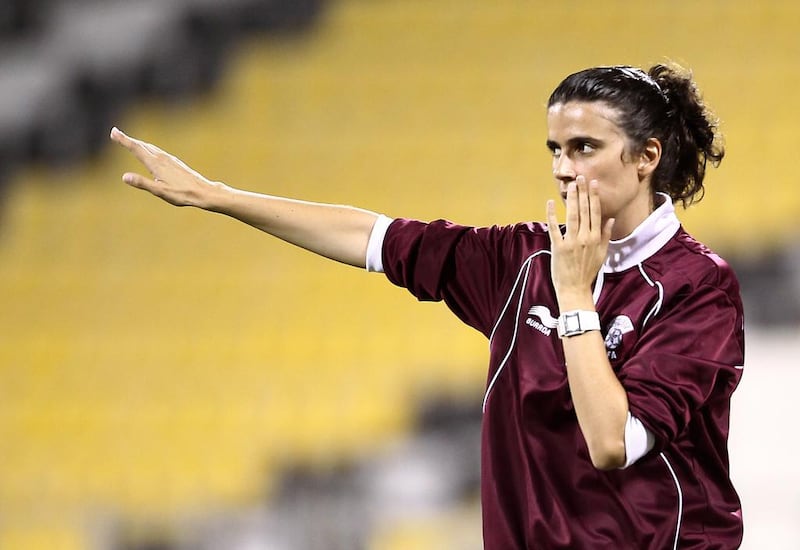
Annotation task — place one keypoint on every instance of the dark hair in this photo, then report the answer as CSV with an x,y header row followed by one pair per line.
x,y
663,103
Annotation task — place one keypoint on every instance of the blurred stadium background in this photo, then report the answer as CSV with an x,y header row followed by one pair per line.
x,y
170,380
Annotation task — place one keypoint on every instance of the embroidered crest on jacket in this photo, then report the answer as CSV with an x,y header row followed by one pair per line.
x,y
620,326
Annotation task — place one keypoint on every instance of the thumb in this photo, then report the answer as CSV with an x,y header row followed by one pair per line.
x,y
137,180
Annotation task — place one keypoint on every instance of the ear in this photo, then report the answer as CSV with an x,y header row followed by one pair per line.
x,y
649,157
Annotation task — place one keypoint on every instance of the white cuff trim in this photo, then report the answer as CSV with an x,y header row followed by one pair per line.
x,y
638,440
374,261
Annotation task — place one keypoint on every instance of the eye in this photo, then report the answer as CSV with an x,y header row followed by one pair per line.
x,y
555,151
585,148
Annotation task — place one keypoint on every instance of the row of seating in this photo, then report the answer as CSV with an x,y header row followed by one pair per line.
x,y
68,68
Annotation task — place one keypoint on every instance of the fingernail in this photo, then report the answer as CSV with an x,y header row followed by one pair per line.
x,y
127,178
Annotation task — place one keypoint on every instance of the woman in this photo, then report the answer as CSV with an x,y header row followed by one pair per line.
x,y
616,340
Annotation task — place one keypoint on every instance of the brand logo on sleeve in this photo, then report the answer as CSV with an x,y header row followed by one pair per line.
x,y
540,318
620,326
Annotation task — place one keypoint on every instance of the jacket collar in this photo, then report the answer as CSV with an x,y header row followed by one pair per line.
x,y
647,239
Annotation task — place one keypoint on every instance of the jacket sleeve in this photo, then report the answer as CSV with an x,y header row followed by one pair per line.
x,y
688,360
464,266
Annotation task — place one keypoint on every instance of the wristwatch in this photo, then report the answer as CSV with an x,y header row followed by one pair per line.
x,y
572,323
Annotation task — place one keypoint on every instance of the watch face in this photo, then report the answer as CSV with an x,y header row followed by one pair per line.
x,y
572,322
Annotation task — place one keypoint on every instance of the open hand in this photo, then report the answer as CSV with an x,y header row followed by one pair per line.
x,y
172,180
581,251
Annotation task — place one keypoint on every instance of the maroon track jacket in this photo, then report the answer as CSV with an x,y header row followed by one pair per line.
x,y
672,320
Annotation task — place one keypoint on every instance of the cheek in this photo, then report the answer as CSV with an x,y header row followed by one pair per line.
x,y
607,202
616,190
612,177
595,169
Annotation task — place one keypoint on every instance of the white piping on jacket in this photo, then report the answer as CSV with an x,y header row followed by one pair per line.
x,y
526,268
657,306
680,500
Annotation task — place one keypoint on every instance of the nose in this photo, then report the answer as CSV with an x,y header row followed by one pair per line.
x,y
564,169
564,172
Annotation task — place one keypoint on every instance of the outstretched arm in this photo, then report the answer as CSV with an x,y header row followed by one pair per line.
x,y
337,232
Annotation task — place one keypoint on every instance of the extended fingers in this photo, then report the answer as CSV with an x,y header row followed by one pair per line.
x,y
552,222
586,204
573,209
584,208
595,210
123,139
584,213
140,149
